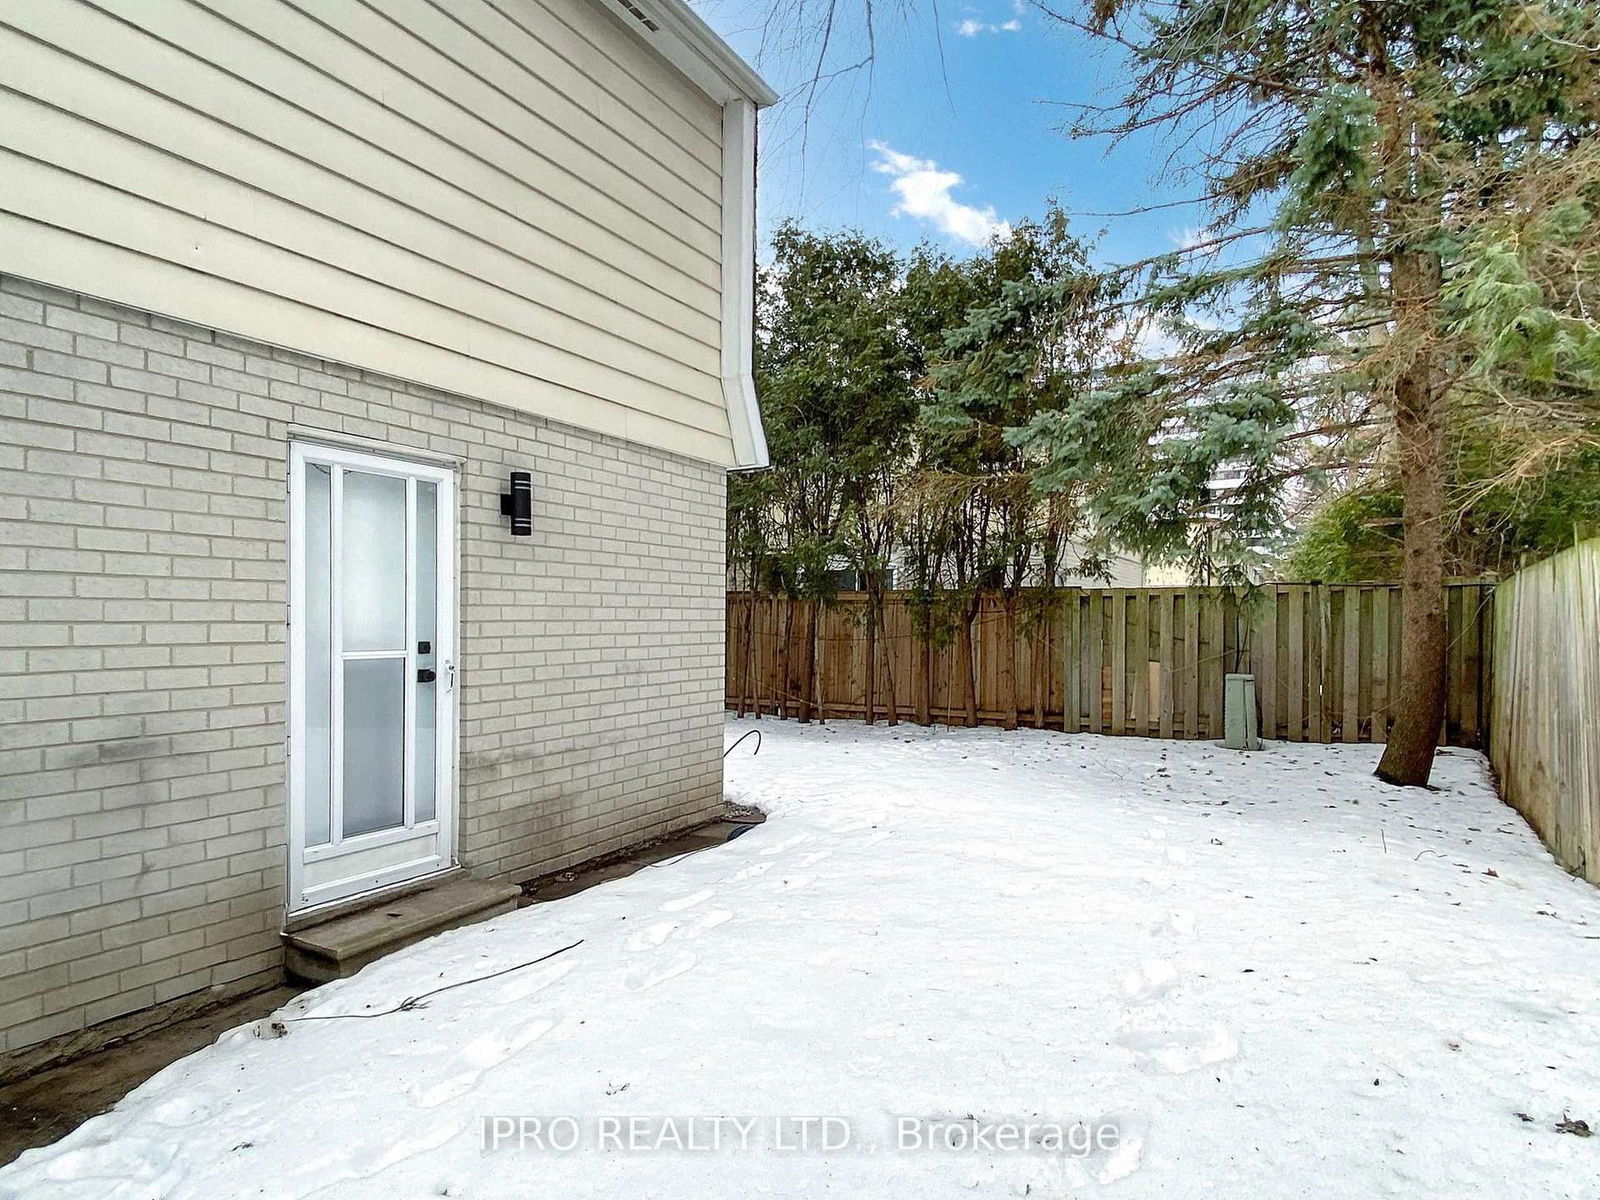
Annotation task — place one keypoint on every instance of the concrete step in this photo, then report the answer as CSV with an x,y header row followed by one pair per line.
x,y
340,946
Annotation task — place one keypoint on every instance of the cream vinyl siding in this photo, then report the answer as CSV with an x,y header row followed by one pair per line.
x,y
510,199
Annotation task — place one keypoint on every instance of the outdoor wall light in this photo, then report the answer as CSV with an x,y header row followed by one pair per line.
x,y
518,504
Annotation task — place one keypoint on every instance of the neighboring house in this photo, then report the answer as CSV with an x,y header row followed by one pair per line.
x,y
290,290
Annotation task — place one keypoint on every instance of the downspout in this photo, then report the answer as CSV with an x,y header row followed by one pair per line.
x,y
739,284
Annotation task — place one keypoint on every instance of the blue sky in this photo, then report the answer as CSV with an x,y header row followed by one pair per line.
x,y
923,149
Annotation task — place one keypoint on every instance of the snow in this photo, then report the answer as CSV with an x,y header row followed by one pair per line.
x,y
1266,975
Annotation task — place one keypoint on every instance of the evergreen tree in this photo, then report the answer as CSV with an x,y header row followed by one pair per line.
x,y
1403,239
997,364
1500,524
833,372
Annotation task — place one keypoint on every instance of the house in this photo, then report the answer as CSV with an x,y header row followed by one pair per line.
x,y
292,293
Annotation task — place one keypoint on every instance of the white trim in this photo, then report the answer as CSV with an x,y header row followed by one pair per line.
x,y
370,841
377,446
312,913
446,651
358,885
295,654
739,284
441,830
408,677
692,46
335,651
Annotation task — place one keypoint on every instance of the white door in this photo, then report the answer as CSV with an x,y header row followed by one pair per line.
x,y
371,672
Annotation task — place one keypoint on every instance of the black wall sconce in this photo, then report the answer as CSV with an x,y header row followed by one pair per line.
x,y
518,504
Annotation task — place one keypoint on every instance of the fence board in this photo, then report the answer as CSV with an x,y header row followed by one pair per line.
x,y
1545,665
1139,660
1071,688
1316,664
1380,665
1350,666
1134,661
1265,659
1165,603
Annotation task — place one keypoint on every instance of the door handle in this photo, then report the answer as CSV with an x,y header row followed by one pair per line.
x,y
426,675
449,677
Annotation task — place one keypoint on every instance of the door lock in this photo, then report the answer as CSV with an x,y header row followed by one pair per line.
x,y
425,675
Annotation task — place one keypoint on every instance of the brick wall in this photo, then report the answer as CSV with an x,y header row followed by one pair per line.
x,y
142,585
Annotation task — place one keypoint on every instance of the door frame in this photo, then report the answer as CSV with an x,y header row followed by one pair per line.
x,y
446,655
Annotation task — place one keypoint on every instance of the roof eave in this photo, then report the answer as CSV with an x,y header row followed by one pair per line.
x,y
694,48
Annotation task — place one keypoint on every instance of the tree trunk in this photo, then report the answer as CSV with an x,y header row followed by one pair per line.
x,y
969,665
746,640
871,705
892,704
785,683
1419,427
1041,667
923,683
1008,659
808,660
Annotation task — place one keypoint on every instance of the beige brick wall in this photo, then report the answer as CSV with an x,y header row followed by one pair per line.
x,y
142,584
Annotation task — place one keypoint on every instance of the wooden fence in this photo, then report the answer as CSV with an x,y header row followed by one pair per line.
x,y
1546,744
1144,661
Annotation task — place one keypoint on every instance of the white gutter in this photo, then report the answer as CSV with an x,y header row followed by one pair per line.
x,y
739,284
683,39
684,25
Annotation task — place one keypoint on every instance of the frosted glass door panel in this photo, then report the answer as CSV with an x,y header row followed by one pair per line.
x,y
374,745
373,578
319,652
427,605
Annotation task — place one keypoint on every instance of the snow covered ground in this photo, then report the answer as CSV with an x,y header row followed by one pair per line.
x,y
1220,975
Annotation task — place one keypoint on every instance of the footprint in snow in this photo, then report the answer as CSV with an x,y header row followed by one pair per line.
x,y
867,820
664,931
794,883
1179,1052
1124,1160
753,871
788,843
479,1055
658,973
180,1111
526,983
707,921
649,939
688,901
1179,922
432,1139
816,856
1148,981
142,1167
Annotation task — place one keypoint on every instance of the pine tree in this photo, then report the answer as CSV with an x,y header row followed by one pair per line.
x,y
834,376
1026,330
1403,239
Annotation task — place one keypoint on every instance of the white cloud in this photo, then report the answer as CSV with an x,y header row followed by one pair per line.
x,y
972,26
924,192
1147,340
1192,238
